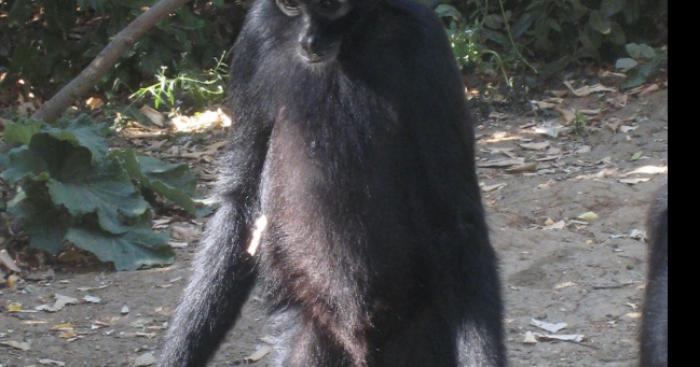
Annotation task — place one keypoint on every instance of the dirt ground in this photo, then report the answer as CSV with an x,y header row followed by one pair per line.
x,y
555,267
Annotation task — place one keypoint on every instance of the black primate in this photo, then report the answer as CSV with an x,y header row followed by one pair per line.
x,y
352,138
654,338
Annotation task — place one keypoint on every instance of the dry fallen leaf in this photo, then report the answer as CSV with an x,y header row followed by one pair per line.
x,y
634,181
548,103
526,167
548,326
59,304
647,170
23,346
564,285
489,188
551,130
91,299
587,90
626,128
567,114
51,362
94,103
14,307
501,162
576,338
649,89
529,338
558,225
535,146
637,234
153,115
588,216
7,261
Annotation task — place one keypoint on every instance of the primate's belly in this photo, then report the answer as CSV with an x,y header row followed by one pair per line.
x,y
335,238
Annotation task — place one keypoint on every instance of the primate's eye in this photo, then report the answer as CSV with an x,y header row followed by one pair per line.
x,y
289,7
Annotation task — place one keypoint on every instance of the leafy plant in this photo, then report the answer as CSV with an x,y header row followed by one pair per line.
x,y
642,63
464,40
48,42
198,88
552,33
580,123
69,187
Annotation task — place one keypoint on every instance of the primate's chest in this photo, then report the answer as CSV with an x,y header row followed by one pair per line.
x,y
337,168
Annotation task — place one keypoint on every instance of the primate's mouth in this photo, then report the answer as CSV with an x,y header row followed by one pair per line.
x,y
320,56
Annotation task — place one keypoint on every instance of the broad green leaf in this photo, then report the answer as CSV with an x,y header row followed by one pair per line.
x,y
21,163
625,63
45,223
85,135
138,248
641,74
64,161
108,191
640,51
21,132
177,175
175,182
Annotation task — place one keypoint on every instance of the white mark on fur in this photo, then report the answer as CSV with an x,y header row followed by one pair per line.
x,y
260,225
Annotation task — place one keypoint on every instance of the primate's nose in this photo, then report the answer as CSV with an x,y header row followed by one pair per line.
x,y
308,42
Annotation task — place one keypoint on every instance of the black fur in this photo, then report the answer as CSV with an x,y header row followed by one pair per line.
x,y
377,252
654,337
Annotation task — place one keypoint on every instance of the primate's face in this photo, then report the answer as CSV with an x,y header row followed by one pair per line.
x,y
321,24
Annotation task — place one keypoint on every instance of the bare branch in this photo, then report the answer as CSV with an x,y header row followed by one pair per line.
x,y
104,61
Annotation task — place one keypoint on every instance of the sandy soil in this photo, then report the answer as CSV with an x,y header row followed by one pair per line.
x,y
588,275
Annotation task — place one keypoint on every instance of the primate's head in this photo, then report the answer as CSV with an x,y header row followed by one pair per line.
x,y
319,25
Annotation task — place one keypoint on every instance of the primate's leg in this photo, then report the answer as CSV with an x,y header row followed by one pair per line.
x,y
476,308
224,272
654,338
223,277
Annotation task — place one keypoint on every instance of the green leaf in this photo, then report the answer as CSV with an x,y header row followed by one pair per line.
x,y
21,132
175,182
642,74
140,247
107,190
45,223
625,63
21,163
79,133
640,51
